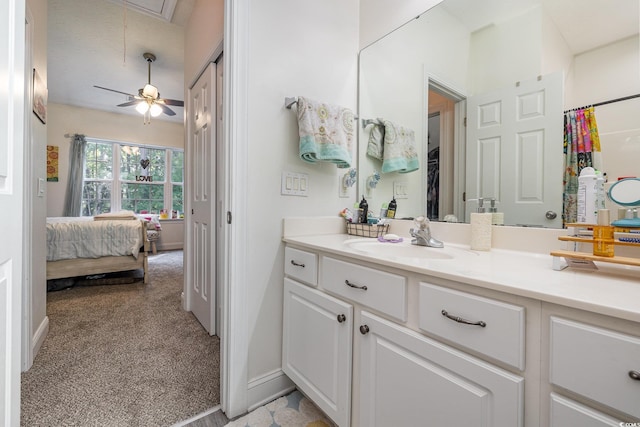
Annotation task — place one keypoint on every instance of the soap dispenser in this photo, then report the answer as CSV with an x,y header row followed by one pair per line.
x,y
497,218
481,228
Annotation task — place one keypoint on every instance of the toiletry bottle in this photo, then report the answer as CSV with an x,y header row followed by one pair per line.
x,y
391,209
497,218
480,228
364,210
383,210
587,194
600,193
603,235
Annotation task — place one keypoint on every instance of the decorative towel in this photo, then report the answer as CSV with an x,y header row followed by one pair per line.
x,y
375,146
326,132
400,153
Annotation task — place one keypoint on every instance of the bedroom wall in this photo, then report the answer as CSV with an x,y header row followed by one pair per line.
x,y
65,119
36,169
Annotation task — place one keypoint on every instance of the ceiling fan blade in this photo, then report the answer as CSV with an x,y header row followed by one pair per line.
x,y
173,102
168,111
113,90
127,104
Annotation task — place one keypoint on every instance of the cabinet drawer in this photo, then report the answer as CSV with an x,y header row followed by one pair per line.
x,y
596,363
379,290
566,412
301,265
502,336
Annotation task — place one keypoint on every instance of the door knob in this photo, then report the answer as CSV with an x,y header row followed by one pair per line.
x,y
364,329
341,318
551,215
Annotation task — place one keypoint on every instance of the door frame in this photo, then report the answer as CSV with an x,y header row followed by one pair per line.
x,y
27,266
235,338
14,119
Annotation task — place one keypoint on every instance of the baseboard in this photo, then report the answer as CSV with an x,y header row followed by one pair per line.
x,y
268,387
169,246
39,336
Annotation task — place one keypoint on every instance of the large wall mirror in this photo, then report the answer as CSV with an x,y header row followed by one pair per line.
x,y
462,67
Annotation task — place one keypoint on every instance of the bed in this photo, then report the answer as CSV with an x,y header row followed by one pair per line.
x,y
82,246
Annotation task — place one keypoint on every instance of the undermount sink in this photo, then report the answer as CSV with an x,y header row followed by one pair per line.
x,y
402,249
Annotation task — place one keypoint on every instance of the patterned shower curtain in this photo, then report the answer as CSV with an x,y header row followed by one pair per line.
x,y
581,149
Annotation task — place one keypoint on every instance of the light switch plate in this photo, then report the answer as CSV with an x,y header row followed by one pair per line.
x,y
400,190
294,184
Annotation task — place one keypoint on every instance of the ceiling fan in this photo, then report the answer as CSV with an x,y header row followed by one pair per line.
x,y
148,101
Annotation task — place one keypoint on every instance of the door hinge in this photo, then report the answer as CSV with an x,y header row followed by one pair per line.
x,y
464,122
228,217
464,196
191,211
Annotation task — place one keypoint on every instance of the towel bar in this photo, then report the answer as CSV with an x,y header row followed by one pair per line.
x,y
288,103
367,122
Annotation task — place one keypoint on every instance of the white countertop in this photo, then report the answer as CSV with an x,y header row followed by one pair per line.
x,y
611,290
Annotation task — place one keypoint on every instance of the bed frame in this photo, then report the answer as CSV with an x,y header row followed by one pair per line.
x,y
111,264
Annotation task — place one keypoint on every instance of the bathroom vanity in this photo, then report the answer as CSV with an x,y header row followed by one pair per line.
x,y
394,334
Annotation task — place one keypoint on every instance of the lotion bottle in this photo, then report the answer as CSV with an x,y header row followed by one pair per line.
x,y
497,218
481,228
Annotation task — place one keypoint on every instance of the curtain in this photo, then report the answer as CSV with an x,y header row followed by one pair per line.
x,y
581,149
73,200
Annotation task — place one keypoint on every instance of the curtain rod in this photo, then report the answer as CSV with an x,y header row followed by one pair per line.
x,y
611,101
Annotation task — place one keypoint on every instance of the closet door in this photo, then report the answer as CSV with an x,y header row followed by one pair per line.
x,y
201,226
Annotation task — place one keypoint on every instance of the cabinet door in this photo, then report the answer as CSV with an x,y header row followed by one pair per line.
x,y
316,354
407,379
565,412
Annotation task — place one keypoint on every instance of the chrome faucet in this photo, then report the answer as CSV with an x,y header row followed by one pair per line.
x,y
422,234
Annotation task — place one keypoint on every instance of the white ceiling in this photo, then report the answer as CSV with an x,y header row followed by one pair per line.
x,y
584,24
94,42
88,44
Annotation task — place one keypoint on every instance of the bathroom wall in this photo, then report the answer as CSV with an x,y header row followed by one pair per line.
x,y
377,19
66,119
295,48
609,72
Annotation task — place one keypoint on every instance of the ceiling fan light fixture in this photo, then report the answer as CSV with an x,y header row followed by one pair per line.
x,y
155,110
150,91
142,107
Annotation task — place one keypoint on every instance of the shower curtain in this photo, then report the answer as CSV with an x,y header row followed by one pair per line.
x,y
581,149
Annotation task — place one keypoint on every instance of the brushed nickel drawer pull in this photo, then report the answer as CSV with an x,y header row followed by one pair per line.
x,y
364,329
341,318
296,264
635,375
348,283
461,320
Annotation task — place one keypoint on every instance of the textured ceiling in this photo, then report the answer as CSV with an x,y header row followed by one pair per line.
x,y
95,42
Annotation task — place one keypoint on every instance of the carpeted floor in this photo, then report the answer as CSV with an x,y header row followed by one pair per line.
x,y
122,355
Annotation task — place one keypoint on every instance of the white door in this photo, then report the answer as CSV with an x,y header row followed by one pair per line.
x,y
514,151
12,122
316,348
201,228
407,379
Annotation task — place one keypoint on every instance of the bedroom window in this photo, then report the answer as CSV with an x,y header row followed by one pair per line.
x,y
131,177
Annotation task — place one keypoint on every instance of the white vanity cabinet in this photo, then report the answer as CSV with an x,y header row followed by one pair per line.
x,y
407,379
397,375
316,354
599,365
